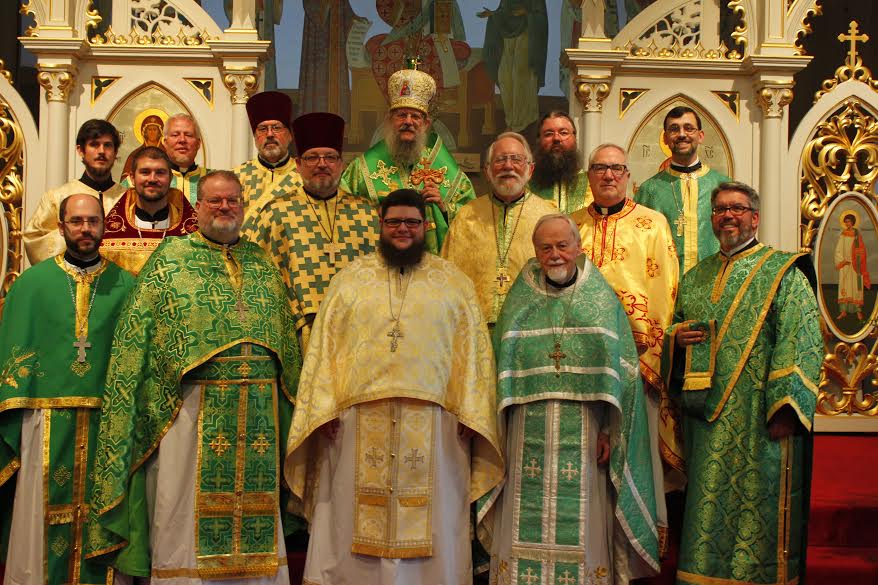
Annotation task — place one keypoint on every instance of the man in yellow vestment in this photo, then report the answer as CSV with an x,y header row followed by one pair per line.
x,y
270,113
97,144
632,247
489,240
395,429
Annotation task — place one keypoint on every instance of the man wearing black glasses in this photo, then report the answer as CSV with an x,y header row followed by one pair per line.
x,y
682,191
631,245
746,350
312,231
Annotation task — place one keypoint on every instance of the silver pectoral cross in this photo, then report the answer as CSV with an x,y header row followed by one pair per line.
x,y
680,222
81,344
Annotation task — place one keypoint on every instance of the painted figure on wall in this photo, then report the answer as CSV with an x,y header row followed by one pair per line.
x,y
853,274
151,130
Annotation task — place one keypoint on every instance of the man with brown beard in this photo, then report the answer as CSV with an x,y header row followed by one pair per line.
x,y
558,176
412,157
395,431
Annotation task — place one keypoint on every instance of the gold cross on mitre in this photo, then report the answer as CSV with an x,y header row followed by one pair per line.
x,y
853,37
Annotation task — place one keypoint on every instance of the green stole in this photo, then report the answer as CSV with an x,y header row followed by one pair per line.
x,y
568,197
374,175
193,301
764,352
689,220
40,370
593,360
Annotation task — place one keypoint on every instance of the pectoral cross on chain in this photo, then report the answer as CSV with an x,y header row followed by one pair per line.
x,y
680,222
502,280
81,344
331,250
394,334
557,356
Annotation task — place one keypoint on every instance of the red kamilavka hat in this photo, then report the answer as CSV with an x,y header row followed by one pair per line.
x,y
318,130
269,105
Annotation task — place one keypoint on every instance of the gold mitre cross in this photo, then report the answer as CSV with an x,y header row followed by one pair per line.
x,y
853,37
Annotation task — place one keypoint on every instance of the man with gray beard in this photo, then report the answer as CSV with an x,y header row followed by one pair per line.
x,y
411,157
490,238
558,175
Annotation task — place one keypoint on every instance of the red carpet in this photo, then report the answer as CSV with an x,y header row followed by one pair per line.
x,y
843,526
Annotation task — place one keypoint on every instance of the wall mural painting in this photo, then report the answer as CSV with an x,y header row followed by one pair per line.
x,y
141,120
647,153
846,260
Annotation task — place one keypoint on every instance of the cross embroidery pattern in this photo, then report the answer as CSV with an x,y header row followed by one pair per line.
x,y
413,458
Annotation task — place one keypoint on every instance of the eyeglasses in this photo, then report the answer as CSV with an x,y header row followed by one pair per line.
x,y
600,169
687,129
312,160
78,222
217,202
415,116
563,133
264,129
735,209
395,222
517,160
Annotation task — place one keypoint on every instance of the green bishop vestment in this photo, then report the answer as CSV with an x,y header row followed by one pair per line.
x,y
684,200
214,317
373,175
42,368
558,351
745,504
569,197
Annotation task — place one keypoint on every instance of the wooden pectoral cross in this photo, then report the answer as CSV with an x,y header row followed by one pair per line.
x,y
557,356
680,222
394,335
81,344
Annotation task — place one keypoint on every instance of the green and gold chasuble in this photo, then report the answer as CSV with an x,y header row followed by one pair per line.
x,y
743,521
490,241
53,356
684,200
310,241
213,316
569,197
186,181
373,175
560,354
261,181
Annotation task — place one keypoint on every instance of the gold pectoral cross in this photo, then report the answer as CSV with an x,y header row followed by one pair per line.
x,y
331,250
557,356
81,344
502,280
680,222
394,335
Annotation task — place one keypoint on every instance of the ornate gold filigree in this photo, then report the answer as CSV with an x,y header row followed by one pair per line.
x,y
11,193
92,17
136,39
853,67
691,52
27,10
806,29
592,92
204,87
731,100
842,157
241,84
4,72
739,35
773,99
627,97
57,83
849,366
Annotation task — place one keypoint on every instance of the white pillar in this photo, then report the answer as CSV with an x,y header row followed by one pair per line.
x,y
56,83
241,85
773,99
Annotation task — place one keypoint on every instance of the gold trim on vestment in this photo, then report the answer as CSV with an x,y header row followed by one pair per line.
x,y
83,280
783,507
194,574
9,470
794,369
701,380
49,403
80,476
47,427
757,326
705,580
720,284
791,402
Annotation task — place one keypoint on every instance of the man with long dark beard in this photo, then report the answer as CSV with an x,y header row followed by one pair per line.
x,y
395,431
412,157
558,175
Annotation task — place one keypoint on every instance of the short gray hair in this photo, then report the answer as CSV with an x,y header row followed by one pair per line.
x,y
574,229
602,147
744,188
186,117
218,174
515,136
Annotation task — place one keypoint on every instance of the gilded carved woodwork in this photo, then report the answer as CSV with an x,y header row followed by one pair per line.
x,y
241,84
11,194
591,92
739,34
773,99
806,29
853,67
56,81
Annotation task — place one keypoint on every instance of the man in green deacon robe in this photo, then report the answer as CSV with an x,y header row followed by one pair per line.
x,y
411,157
558,174
745,352
55,336
682,191
198,402
579,501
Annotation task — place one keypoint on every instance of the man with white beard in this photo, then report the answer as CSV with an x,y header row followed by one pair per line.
x,y
490,238
411,157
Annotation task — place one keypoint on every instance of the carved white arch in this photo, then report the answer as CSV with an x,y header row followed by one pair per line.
x,y
656,11
795,17
819,113
199,18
